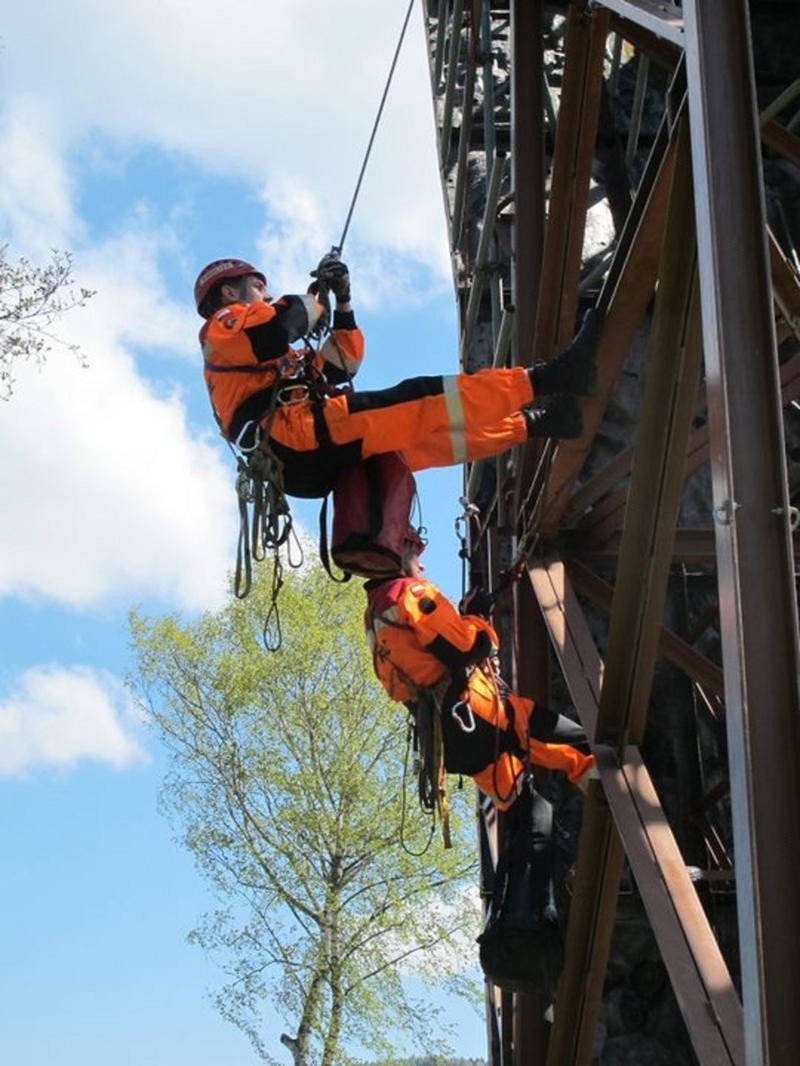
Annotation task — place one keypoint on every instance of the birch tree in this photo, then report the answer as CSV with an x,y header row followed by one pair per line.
x,y
286,784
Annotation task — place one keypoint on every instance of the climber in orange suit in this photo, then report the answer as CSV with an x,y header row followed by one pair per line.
x,y
317,424
420,641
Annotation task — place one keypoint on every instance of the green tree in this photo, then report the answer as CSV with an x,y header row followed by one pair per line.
x,y
31,299
286,781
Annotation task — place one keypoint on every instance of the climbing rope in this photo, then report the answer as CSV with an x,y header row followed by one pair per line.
x,y
338,247
259,483
412,742
463,523
426,738
528,536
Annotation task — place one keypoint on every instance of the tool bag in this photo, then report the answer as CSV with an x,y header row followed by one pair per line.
x,y
521,946
372,502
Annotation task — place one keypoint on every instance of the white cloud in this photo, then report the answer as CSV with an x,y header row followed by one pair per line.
x,y
283,95
58,717
107,491
131,300
35,189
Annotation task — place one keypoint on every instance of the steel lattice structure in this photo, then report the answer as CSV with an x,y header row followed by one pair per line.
x,y
692,258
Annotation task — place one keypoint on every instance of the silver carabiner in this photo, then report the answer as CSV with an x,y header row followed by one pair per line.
x,y
256,438
289,400
467,723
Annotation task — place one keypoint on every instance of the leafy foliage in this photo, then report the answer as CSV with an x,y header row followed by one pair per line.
x,y
286,781
428,1060
31,299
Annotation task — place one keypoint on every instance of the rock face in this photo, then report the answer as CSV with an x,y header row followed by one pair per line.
x,y
685,746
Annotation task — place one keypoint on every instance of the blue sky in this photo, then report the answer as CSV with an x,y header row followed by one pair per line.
x,y
148,139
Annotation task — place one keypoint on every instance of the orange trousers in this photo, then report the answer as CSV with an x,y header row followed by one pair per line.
x,y
433,421
502,769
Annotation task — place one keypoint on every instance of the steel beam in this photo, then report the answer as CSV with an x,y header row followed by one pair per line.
x,y
527,168
572,162
695,547
671,380
629,287
453,56
785,286
532,673
758,607
464,133
609,514
438,48
671,384
703,986
782,141
657,16
481,265
662,52
670,645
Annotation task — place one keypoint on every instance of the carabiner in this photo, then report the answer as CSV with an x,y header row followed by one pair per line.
x,y
246,428
466,724
290,399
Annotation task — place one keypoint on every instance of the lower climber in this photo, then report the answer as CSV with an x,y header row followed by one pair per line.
x,y
420,643
315,424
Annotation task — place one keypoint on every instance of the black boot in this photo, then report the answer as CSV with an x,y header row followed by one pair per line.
x,y
575,369
561,418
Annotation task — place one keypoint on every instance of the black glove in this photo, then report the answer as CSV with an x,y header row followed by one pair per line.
x,y
477,601
334,273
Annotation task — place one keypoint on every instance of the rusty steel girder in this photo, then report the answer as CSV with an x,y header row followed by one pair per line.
x,y
608,536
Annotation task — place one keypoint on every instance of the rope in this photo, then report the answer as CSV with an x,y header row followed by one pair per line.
x,y
410,737
338,247
529,535
260,483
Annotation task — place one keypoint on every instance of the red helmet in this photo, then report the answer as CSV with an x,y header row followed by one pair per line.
x,y
219,270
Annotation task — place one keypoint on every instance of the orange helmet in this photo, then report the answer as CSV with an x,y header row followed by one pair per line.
x,y
220,270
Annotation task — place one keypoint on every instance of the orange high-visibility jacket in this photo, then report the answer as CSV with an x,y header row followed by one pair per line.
x,y
247,347
417,636
418,639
